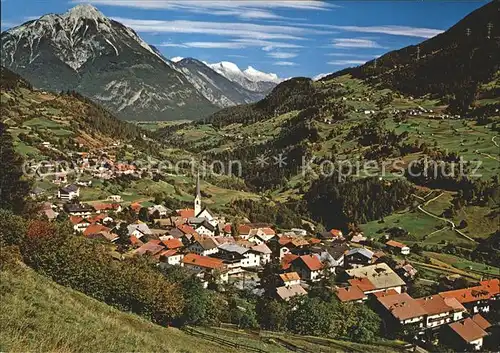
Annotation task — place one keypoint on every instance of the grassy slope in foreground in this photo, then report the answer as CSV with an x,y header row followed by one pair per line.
x,y
40,315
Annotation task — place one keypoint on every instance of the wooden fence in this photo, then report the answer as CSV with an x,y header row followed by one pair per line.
x,y
221,341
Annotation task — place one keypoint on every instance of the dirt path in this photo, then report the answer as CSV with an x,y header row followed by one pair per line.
x,y
451,223
494,142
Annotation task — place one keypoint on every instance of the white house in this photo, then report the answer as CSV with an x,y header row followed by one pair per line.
x,y
79,223
264,252
245,257
172,257
205,228
308,267
68,193
211,265
441,310
290,279
138,230
160,209
203,246
115,198
396,246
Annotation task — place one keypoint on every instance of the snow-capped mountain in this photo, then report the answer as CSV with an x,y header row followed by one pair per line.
x,y
213,86
83,50
250,79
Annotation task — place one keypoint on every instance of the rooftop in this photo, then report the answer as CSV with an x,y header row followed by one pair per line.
x,y
436,304
402,306
95,229
362,251
312,262
290,276
481,321
203,261
381,275
262,248
363,284
286,293
234,248
351,293
152,247
395,244
484,291
468,330
287,260
173,243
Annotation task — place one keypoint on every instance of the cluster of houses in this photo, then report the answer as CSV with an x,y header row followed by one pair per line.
x,y
456,313
219,252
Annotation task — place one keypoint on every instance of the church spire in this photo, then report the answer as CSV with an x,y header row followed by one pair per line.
x,y
198,193
197,197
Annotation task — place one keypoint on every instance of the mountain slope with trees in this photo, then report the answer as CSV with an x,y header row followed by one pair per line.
x,y
451,65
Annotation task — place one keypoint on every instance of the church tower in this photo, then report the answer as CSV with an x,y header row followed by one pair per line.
x,y
197,197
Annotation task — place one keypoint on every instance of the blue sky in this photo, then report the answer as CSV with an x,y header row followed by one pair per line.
x,y
290,38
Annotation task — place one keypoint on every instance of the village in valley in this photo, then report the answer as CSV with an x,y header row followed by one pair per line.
x,y
152,200
223,253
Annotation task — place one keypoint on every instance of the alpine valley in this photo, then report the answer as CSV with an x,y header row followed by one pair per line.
x,y
155,205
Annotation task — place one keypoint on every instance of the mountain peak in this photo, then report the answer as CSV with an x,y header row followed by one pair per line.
x,y
86,11
256,75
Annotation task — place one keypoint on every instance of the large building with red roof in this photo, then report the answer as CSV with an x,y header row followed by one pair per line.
x,y
476,299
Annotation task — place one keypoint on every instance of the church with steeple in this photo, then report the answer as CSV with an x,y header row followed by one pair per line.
x,y
197,197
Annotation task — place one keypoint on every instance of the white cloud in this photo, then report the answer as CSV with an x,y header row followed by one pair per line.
x,y
347,62
267,45
282,55
239,43
394,30
350,55
173,45
242,9
285,63
355,43
214,45
406,31
320,76
231,29
176,59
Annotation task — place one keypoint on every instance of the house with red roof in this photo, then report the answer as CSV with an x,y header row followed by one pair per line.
x,y
397,247
287,259
173,244
136,207
104,207
153,247
171,257
186,213
79,223
309,267
204,263
467,335
350,294
94,229
401,310
290,278
477,299
441,310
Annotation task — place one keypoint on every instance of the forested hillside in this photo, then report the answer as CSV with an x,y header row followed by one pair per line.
x,y
451,65
67,119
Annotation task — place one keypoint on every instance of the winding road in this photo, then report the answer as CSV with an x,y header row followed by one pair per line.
x,y
451,223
